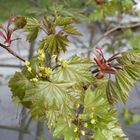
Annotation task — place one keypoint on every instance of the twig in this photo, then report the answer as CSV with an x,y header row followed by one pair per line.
x,y
119,27
10,66
56,67
12,52
14,129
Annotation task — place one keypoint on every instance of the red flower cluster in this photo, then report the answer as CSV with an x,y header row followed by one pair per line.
x,y
104,65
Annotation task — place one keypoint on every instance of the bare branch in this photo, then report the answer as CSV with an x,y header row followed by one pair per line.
x,y
119,27
10,65
14,129
12,52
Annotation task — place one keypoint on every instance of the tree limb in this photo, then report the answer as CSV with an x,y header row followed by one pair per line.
x,y
14,129
12,52
10,65
119,27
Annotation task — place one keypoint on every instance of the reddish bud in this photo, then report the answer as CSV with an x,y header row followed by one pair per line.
x,y
100,75
85,86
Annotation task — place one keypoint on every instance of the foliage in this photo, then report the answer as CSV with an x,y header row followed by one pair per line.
x,y
75,96
74,100
129,116
103,8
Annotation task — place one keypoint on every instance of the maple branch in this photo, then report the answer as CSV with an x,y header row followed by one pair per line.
x,y
10,65
14,129
119,27
12,52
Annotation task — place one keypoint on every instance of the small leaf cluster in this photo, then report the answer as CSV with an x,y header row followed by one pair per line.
x,y
57,29
104,8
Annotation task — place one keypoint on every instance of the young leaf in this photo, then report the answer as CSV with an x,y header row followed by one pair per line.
x,y
97,108
19,84
133,71
70,29
62,21
113,91
95,101
32,27
54,44
76,69
54,98
124,82
129,57
63,129
20,21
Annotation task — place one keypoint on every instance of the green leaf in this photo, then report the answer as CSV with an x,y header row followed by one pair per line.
x,y
95,101
97,108
133,71
54,44
135,42
53,99
71,30
63,129
112,132
19,84
124,83
77,69
129,57
99,135
113,92
97,15
61,21
32,27
52,94
20,21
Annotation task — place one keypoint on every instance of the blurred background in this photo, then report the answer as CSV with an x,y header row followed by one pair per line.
x,y
95,23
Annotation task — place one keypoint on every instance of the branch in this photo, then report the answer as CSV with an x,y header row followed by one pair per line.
x,y
14,129
10,66
119,27
12,52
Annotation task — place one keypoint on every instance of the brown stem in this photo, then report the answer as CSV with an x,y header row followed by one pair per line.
x,y
56,67
12,52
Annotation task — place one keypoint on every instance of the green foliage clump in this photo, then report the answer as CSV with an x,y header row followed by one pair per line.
x,y
75,102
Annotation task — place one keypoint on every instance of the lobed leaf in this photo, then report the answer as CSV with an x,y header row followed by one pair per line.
x,y
32,27
19,84
77,70
54,44
62,21
70,29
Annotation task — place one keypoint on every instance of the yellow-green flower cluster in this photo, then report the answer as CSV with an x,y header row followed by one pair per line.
x,y
34,80
45,71
82,131
27,64
41,55
63,62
